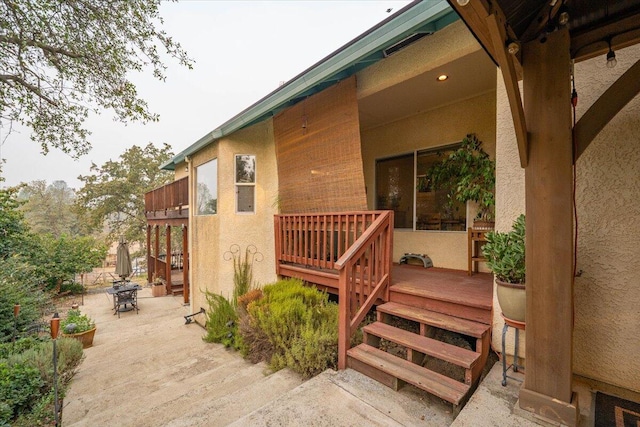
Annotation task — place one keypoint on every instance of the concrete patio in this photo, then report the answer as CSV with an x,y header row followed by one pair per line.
x,y
150,369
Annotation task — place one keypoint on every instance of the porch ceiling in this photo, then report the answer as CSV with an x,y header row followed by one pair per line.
x,y
592,24
469,76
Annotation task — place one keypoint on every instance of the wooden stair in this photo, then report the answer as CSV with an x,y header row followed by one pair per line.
x,y
394,371
177,289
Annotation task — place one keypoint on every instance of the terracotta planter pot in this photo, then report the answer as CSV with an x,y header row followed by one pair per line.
x,y
86,337
512,299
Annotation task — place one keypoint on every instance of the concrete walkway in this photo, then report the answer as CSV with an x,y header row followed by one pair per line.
x,y
150,369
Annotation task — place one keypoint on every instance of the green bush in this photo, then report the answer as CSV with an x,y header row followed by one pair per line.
x,y
28,375
222,320
20,386
19,285
300,324
19,346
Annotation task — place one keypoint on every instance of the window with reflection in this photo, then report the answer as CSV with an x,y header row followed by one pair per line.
x,y
402,186
207,188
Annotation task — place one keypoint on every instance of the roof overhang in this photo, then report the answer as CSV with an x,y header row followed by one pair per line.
x,y
361,52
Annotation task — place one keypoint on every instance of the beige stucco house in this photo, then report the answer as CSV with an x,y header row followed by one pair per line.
x,y
337,137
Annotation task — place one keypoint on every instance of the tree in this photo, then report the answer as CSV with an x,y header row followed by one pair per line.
x,y
48,208
62,59
12,224
114,194
60,259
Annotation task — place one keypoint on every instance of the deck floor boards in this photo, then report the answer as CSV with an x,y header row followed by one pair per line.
x,y
448,285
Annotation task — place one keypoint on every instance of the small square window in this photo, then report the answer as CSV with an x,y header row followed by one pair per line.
x,y
245,198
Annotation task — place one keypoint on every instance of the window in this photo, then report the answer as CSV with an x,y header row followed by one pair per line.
x,y
207,188
402,186
245,173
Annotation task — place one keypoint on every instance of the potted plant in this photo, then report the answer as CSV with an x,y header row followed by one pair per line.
x,y
468,173
78,326
158,287
505,254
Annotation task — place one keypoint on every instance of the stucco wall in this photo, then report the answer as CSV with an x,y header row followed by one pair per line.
x,y
607,295
181,170
448,44
212,236
509,199
433,128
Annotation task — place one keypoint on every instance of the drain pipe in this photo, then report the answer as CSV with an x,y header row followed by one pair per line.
x,y
189,318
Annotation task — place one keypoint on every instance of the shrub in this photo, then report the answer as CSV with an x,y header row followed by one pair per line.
x,y
221,320
222,317
41,356
300,324
20,386
19,285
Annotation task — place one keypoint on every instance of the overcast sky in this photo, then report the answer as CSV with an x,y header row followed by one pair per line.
x,y
242,51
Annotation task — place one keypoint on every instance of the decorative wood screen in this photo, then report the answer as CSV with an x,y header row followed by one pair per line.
x,y
319,154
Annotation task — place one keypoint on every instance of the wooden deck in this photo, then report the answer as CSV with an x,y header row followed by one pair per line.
x,y
445,291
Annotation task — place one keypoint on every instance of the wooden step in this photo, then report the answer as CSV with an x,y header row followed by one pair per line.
x,y
432,318
385,367
404,294
438,349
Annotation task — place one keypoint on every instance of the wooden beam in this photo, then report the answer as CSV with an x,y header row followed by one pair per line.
x,y
474,15
606,107
156,245
167,239
506,62
547,390
623,32
185,264
149,278
538,24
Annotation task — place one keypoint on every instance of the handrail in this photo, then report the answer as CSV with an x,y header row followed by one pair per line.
x,y
318,240
364,276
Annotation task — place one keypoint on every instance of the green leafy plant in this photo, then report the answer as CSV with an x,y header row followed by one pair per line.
x,y
223,314
468,173
505,253
222,320
26,380
292,326
76,322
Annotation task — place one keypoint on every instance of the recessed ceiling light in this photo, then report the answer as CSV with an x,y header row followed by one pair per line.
x,y
442,77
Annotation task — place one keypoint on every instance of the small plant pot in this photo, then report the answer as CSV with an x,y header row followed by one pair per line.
x,y
158,290
86,337
512,298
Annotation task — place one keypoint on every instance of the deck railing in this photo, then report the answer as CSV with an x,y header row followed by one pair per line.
x,y
318,240
357,246
364,276
171,196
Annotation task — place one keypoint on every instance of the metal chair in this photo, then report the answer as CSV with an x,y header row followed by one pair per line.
x,y
124,298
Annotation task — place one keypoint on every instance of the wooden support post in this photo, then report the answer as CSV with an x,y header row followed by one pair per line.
x,y
185,264
156,246
167,230
149,272
547,389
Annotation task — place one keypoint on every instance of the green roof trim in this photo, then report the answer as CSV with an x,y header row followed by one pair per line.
x,y
420,16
